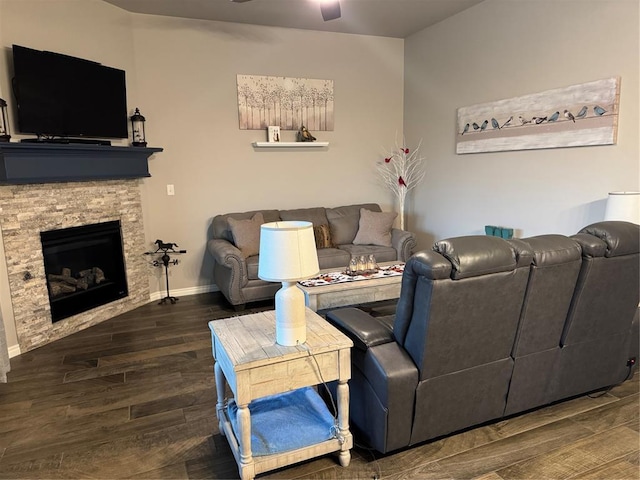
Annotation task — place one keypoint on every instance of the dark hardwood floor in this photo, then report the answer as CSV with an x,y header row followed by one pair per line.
x,y
134,397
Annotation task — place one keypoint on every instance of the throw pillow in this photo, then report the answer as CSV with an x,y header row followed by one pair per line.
x,y
246,234
375,228
322,234
344,221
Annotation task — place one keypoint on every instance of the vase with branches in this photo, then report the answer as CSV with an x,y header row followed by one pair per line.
x,y
400,171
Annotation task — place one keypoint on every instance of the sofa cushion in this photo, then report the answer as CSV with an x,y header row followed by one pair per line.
x,y
317,215
246,234
322,235
374,228
220,224
333,258
344,221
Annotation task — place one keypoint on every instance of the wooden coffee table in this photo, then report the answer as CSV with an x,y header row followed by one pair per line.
x,y
352,293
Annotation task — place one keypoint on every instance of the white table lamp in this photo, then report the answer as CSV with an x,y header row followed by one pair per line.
x,y
288,254
623,206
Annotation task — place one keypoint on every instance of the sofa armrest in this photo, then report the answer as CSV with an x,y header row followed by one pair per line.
x,y
225,253
231,275
364,330
404,242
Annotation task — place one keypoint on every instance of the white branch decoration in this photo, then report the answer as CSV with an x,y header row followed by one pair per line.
x,y
401,171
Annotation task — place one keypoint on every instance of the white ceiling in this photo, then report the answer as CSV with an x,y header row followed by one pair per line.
x,y
386,18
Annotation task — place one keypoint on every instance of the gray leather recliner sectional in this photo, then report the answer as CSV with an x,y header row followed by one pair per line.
x,y
486,328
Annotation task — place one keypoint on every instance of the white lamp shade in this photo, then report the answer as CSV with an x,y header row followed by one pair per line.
x,y
287,252
623,206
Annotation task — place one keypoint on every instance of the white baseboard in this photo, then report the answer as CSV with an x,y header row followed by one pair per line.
x,y
181,292
14,351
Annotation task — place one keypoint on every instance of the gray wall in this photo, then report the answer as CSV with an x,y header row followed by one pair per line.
x,y
187,69
506,48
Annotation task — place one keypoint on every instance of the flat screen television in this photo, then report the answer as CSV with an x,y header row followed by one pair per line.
x,y
62,96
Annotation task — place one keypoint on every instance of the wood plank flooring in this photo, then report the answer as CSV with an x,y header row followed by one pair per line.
x,y
134,397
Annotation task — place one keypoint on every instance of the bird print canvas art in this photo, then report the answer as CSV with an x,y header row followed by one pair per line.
x,y
577,115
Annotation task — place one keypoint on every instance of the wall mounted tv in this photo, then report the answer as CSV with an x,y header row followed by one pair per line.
x,y
62,96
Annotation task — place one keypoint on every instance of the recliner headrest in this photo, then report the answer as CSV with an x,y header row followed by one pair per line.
x,y
554,249
622,238
475,255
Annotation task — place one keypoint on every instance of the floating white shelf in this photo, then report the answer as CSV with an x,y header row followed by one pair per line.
x,y
289,144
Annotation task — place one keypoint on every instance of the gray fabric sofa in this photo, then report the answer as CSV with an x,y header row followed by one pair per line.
x,y
236,274
486,328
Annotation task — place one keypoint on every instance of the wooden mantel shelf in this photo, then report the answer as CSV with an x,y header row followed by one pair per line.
x,y
22,163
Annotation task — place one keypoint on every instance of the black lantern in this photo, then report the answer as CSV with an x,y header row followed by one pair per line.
x,y
4,122
137,129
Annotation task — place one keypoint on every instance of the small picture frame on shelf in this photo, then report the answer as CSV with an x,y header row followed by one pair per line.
x,y
273,133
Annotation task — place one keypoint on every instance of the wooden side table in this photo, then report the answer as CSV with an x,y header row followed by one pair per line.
x,y
249,360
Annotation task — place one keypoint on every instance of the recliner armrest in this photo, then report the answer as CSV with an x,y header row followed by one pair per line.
x,y
364,330
393,377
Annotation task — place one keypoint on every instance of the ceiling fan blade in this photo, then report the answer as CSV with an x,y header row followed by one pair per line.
x,y
330,10
240,1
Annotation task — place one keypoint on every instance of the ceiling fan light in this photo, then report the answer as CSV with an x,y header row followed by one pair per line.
x,y
330,10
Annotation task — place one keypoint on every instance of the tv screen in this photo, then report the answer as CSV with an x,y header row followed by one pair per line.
x,y
62,96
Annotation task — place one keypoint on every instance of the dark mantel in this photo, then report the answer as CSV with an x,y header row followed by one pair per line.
x,y
22,163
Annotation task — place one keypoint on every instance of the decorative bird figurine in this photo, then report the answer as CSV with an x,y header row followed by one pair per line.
x,y
476,126
523,121
401,182
304,135
508,122
465,129
582,112
570,116
598,110
495,124
539,120
484,125
554,117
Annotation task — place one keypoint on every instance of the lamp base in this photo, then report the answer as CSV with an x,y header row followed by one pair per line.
x,y
291,324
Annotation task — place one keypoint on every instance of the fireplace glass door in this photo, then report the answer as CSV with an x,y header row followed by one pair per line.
x,y
84,267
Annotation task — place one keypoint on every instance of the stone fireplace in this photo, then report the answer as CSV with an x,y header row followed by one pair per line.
x,y
28,210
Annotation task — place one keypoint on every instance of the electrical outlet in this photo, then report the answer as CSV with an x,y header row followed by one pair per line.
x,y
170,190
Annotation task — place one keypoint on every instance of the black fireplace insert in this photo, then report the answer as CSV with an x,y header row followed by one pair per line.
x,y
84,267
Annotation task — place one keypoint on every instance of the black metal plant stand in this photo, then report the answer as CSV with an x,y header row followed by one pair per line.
x,y
165,260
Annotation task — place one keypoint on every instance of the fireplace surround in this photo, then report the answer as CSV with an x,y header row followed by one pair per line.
x,y
48,187
27,210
